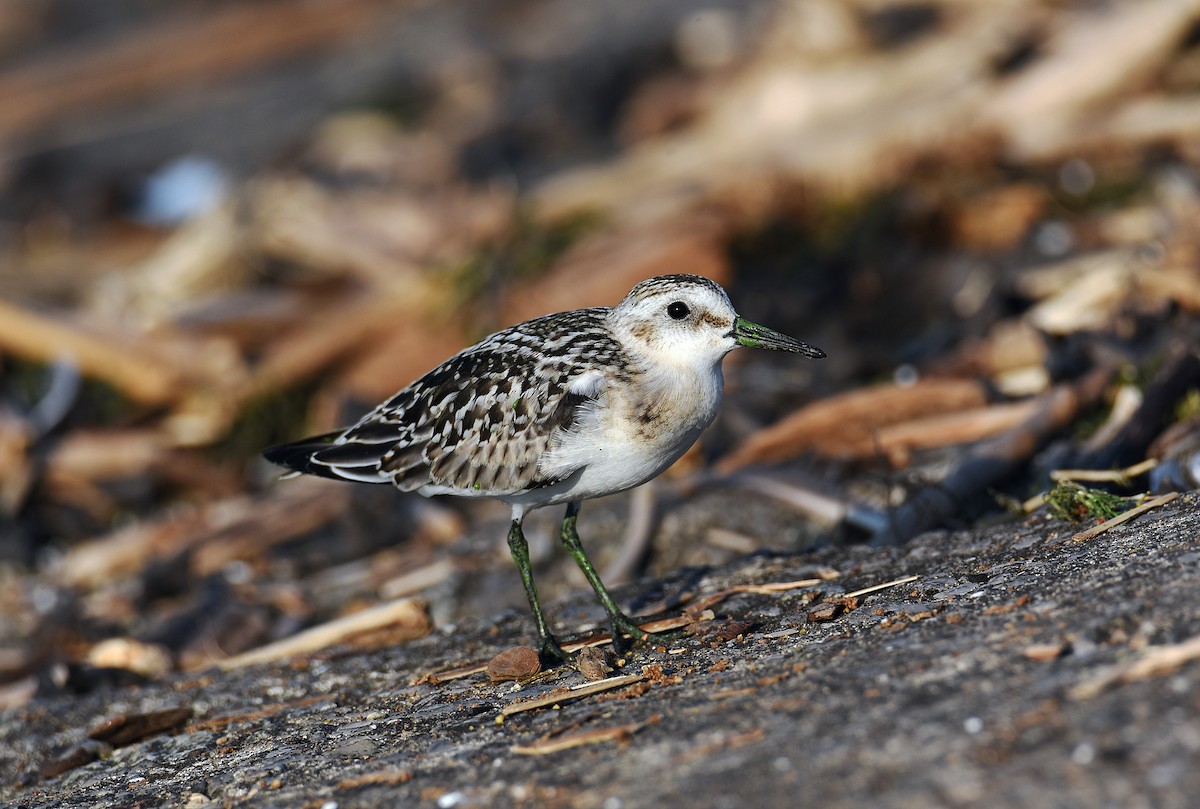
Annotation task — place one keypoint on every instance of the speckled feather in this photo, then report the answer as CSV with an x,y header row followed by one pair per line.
x,y
479,422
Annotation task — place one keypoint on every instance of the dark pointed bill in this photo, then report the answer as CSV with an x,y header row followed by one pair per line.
x,y
753,335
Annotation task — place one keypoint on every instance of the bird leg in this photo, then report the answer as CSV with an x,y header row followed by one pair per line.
x,y
548,649
622,624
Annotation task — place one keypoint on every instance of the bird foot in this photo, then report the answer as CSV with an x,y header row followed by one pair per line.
x,y
550,654
626,634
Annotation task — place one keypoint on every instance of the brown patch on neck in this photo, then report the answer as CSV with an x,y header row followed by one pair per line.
x,y
642,331
649,415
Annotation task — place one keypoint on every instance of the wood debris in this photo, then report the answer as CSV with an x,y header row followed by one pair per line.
x,y
127,729
417,580
387,777
568,694
699,605
846,425
404,618
874,588
78,756
145,659
825,612
118,359
1045,652
557,743
990,460
1124,517
1120,476
222,532
1155,661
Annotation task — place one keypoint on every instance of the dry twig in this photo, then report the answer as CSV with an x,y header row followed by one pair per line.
x,y
406,615
568,694
555,744
1121,476
1126,516
1154,662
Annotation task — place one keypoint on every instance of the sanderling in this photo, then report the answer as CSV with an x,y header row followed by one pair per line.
x,y
556,410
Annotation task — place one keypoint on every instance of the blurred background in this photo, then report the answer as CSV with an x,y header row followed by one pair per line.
x,y
226,224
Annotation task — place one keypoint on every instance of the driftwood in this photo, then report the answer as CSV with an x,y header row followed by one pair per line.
x,y
1133,439
992,460
248,524
780,118
897,441
404,619
847,425
233,40
121,360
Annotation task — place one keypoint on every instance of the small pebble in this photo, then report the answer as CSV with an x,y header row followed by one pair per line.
x,y
452,799
515,663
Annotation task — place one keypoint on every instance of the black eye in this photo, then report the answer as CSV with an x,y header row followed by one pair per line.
x,y
678,310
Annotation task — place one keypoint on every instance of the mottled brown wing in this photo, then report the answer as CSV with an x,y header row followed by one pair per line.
x,y
480,422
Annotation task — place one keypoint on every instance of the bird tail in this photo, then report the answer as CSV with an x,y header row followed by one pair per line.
x,y
321,455
298,456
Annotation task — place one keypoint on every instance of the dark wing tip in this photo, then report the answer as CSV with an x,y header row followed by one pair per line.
x,y
298,455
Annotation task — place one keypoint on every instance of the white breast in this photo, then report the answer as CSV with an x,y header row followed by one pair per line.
x,y
626,437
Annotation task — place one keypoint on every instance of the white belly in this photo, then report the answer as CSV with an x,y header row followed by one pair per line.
x,y
617,465
628,440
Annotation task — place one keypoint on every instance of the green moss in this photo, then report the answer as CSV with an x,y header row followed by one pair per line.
x,y
1189,406
1074,503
